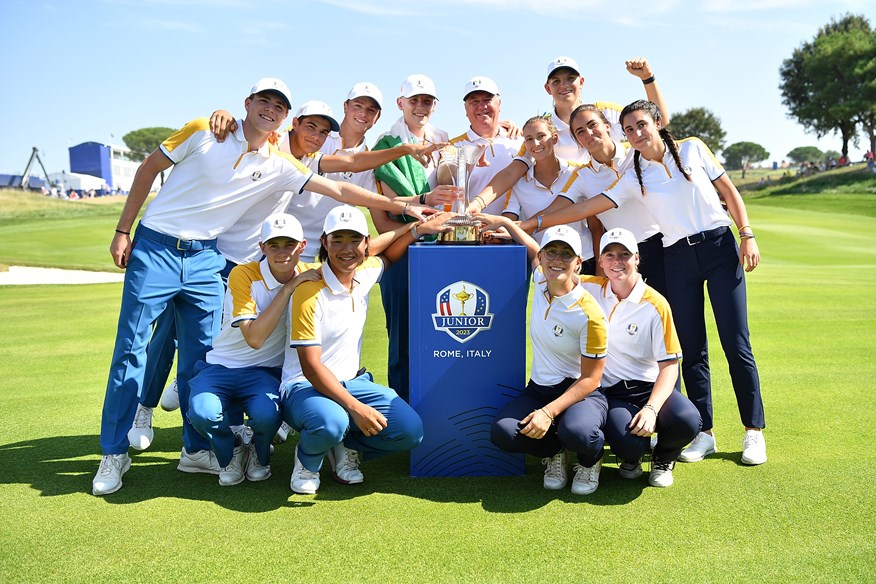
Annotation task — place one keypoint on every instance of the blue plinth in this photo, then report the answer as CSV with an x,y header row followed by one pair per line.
x,y
467,354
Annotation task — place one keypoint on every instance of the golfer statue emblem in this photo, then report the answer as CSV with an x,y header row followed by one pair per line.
x,y
455,315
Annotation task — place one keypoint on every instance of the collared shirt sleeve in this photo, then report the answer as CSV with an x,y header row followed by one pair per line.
x,y
304,315
240,283
594,336
191,137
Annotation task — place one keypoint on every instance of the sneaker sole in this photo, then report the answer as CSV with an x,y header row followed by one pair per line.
x,y
137,447
554,487
684,458
753,462
237,482
301,492
587,492
257,479
630,474
343,482
196,470
659,486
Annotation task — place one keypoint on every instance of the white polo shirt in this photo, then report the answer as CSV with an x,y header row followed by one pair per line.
x,y
251,288
591,179
501,150
213,184
528,197
563,330
641,331
679,206
326,314
334,146
566,146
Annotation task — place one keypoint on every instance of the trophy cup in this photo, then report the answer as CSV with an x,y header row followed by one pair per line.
x,y
457,163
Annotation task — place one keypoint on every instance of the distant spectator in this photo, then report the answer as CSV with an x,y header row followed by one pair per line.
x,y
843,160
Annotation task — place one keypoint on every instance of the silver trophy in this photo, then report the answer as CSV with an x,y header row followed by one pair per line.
x,y
457,163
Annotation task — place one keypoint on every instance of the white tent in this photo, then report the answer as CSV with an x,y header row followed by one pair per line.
x,y
80,182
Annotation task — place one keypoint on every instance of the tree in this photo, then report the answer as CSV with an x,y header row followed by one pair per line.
x,y
744,154
828,83
699,122
144,141
805,154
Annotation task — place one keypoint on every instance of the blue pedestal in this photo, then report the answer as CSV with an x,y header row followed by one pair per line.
x,y
467,354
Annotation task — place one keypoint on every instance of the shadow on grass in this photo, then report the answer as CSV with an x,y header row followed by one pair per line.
x,y
65,465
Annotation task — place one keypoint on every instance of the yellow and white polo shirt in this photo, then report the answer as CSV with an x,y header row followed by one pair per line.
x,y
563,330
679,206
213,184
591,179
641,331
326,314
251,288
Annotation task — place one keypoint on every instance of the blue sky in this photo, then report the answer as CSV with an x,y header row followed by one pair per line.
x,y
93,70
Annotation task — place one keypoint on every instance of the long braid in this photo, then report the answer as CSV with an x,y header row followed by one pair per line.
x,y
669,140
638,166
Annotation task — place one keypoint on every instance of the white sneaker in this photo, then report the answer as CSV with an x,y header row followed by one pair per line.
x,y
345,465
586,478
630,470
661,473
233,473
702,446
255,471
170,397
201,461
754,448
109,475
283,433
555,473
141,434
303,481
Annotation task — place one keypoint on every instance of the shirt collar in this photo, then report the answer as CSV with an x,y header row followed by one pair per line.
x,y
619,154
270,281
568,300
636,294
332,281
264,151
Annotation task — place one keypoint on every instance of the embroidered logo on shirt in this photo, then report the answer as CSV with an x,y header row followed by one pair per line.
x,y
632,329
256,175
558,331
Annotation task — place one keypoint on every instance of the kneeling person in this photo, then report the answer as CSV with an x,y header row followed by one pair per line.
x,y
337,409
243,368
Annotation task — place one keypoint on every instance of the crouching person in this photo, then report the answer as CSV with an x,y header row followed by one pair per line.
x,y
337,409
243,368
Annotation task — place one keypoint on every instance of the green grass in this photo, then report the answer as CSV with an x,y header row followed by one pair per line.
x,y
806,515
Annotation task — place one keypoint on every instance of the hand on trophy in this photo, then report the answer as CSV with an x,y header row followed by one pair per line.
x,y
491,222
436,224
443,195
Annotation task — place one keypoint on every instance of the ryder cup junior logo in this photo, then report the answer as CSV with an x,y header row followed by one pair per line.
x,y
462,311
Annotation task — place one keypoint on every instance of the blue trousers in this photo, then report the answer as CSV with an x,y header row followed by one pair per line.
x,y
578,429
323,424
714,260
677,422
161,270
217,390
394,295
161,349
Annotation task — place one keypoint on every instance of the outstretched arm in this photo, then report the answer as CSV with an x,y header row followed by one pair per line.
x,y
359,161
569,213
492,222
499,185
355,195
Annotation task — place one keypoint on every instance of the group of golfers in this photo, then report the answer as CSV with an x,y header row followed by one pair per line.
x,y
252,267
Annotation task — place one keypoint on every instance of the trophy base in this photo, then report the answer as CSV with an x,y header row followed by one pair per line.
x,y
461,235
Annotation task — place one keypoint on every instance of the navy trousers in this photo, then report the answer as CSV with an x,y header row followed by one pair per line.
x,y
712,257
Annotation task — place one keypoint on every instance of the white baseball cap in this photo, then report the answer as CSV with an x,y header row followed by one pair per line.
x,y
562,233
418,84
480,83
275,85
282,225
365,89
318,108
345,218
621,236
560,62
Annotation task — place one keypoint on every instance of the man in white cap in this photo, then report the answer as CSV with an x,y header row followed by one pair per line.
x,y
242,370
564,84
482,108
